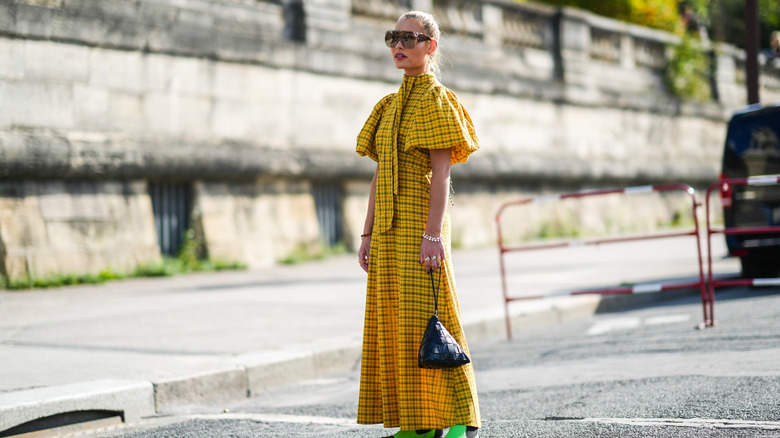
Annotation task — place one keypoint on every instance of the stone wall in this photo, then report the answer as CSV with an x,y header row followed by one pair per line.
x,y
72,227
238,99
257,223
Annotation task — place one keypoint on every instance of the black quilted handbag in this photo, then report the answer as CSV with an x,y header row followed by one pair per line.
x,y
438,348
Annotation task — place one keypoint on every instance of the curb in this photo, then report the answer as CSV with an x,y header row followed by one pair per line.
x,y
248,375
134,399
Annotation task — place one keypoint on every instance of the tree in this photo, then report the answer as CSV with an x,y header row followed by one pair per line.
x,y
659,14
724,19
728,23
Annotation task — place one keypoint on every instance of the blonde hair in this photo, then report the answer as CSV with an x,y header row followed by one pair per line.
x,y
431,28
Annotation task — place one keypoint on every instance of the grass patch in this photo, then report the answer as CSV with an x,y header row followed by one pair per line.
x,y
306,253
168,267
185,262
60,280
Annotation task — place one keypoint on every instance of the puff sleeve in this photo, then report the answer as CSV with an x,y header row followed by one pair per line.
x,y
366,140
444,123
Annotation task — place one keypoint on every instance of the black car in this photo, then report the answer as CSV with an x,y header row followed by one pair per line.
x,y
753,149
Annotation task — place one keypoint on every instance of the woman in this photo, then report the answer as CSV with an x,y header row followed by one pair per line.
x,y
414,135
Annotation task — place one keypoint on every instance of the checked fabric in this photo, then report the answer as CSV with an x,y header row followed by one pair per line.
x,y
394,391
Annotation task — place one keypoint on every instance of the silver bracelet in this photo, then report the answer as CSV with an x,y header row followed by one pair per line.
x,y
431,238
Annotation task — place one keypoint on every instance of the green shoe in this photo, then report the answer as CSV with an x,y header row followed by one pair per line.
x,y
435,433
461,431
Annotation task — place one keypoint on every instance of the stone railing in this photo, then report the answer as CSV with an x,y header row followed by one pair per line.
x,y
582,48
460,17
526,28
383,9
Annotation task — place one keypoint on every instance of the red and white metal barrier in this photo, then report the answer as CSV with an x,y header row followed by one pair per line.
x,y
724,186
620,290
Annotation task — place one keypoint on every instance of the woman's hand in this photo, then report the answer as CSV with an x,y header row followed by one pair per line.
x,y
431,255
364,251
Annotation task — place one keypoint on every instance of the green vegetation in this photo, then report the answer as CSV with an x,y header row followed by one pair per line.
x,y
170,266
687,73
727,20
187,261
305,253
658,14
64,280
559,227
723,19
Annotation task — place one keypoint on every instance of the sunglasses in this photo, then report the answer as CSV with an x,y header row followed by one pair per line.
x,y
407,38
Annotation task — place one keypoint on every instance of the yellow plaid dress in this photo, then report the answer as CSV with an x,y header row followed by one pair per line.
x,y
393,389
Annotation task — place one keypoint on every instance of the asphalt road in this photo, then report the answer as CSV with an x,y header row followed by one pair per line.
x,y
645,372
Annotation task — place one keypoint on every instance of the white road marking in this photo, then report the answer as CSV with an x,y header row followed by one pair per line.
x,y
667,319
606,325
766,282
705,423
277,418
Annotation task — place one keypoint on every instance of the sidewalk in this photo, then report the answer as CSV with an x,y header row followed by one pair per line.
x,y
147,346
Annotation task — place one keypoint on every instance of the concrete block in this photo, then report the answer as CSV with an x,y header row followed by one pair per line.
x,y
62,237
261,86
75,201
46,3
33,20
115,9
115,22
195,116
159,13
126,111
231,81
192,77
230,120
157,72
6,16
12,58
216,386
162,113
25,228
37,104
192,39
54,61
44,261
196,18
90,107
79,21
28,154
117,70
134,399
15,265
328,14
